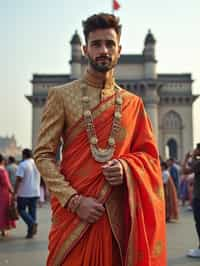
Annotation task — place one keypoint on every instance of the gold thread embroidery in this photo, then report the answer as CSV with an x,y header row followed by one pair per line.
x,y
114,208
158,248
104,191
121,134
130,184
69,241
160,192
80,126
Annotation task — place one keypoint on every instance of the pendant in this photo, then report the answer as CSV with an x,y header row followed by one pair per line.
x,y
102,155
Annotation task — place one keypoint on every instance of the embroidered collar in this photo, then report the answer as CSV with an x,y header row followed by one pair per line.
x,y
96,82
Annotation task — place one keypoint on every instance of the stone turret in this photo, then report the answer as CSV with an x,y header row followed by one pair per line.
x,y
149,57
76,52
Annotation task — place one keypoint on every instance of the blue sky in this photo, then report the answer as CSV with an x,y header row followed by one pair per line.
x,y
35,35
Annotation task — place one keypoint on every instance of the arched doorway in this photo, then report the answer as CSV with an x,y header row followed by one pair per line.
x,y
172,126
172,149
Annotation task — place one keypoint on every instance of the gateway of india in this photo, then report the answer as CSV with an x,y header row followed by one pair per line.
x,y
167,98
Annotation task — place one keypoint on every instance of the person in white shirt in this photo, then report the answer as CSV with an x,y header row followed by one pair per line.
x,y
27,191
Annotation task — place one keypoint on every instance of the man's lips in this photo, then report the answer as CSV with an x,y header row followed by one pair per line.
x,y
103,59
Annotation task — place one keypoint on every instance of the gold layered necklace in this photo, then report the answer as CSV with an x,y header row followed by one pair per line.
x,y
101,155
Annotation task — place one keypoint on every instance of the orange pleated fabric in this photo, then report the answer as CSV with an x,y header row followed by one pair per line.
x,y
94,248
171,200
73,243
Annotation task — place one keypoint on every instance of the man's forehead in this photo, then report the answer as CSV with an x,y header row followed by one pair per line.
x,y
103,34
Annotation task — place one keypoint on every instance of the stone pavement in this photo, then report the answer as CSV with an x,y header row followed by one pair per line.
x,y
15,250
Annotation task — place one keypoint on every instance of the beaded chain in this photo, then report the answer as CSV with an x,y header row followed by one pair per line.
x,y
99,154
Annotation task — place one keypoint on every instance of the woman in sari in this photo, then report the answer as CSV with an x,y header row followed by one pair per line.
x,y
171,199
6,191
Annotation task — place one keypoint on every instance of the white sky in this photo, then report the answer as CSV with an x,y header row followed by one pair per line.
x,y
35,35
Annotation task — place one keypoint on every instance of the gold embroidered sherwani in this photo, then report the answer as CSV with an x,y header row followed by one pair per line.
x,y
66,109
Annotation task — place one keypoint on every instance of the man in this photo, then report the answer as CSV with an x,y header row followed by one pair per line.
x,y
107,198
174,173
27,191
194,167
11,168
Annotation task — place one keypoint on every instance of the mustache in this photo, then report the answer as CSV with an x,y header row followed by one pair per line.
x,y
103,57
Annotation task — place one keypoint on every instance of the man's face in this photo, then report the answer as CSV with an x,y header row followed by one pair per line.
x,y
170,163
102,49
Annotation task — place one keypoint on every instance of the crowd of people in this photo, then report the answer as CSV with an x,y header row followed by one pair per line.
x,y
182,186
21,191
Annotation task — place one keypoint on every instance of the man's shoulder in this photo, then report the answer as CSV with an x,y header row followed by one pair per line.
x,y
127,94
67,87
26,162
22,164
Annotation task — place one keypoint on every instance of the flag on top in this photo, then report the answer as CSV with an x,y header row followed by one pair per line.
x,y
116,5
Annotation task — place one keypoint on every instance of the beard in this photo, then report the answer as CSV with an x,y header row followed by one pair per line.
x,y
103,66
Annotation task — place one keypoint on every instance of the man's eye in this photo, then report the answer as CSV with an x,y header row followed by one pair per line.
x,y
110,44
96,44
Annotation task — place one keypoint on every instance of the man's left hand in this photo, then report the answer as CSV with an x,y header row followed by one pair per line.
x,y
113,172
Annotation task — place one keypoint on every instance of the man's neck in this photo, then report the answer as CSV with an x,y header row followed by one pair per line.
x,y
101,75
100,79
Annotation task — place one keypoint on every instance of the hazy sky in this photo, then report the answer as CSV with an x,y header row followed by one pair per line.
x,y
35,35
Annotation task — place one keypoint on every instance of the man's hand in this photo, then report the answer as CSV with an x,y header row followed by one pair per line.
x,y
113,172
90,210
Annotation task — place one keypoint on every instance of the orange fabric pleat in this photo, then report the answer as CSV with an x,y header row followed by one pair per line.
x,y
94,248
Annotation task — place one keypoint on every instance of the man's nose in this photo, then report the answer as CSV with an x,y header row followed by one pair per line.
x,y
104,49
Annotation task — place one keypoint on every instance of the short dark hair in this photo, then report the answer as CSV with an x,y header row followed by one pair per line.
x,y
11,159
101,21
164,165
1,158
27,153
198,146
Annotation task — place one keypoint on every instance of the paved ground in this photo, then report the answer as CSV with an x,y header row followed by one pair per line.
x,y
15,250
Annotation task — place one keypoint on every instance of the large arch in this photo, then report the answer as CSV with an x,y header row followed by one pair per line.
x,y
172,121
172,126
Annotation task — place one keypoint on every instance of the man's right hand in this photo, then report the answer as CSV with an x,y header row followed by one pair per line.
x,y
90,210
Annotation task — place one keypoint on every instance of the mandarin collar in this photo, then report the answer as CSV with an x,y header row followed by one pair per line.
x,y
94,81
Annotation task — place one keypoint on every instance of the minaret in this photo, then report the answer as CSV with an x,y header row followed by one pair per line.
x,y
149,56
151,97
76,55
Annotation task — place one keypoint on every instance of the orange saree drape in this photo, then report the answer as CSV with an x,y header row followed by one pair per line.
x,y
171,200
73,242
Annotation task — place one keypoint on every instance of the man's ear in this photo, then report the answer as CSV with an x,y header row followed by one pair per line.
x,y
119,51
85,50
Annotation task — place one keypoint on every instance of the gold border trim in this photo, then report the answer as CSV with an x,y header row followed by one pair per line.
x,y
69,243
108,208
78,232
131,196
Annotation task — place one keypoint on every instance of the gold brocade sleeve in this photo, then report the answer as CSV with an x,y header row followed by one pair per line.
x,y
51,129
